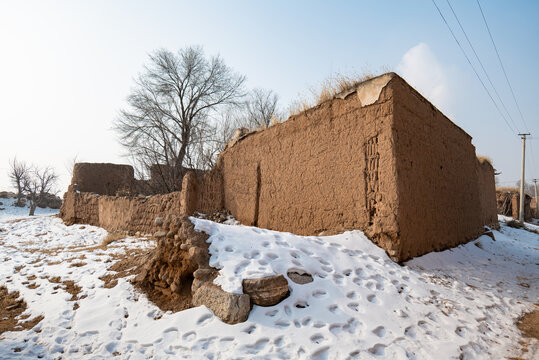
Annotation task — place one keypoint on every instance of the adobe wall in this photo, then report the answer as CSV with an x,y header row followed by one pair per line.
x,y
379,158
440,205
330,168
487,193
101,178
119,213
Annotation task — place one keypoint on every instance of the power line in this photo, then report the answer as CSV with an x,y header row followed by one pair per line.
x,y
503,67
481,64
473,68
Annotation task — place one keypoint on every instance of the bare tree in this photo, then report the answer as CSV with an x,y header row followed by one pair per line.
x,y
528,187
168,120
18,171
70,164
261,109
37,183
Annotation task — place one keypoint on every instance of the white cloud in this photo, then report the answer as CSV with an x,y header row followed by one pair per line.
x,y
421,69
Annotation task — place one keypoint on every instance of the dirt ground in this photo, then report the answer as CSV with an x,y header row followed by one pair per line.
x,y
529,325
11,308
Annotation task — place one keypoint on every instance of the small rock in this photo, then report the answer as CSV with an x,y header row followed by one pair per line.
x,y
170,235
202,276
203,273
266,291
158,221
160,234
230,308
137,234
299,278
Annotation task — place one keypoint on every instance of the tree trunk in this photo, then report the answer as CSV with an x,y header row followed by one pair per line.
x,y
19,197
32,205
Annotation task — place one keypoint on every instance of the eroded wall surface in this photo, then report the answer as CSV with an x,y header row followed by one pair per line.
x,y
440,200
103,179
119,213
330,168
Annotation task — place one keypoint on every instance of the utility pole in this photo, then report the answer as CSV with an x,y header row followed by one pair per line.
x,y
522,178
536,200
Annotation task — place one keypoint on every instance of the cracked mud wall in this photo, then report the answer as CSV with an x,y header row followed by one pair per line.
x,y
328,169
440,203
119,213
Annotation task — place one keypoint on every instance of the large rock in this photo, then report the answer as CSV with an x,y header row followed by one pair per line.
x,y
230,308
266,291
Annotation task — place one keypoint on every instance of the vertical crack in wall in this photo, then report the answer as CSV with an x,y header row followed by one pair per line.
x,y
372,160
257,201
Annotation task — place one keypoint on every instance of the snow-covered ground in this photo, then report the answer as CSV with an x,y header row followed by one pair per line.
x,y
459,303
11,212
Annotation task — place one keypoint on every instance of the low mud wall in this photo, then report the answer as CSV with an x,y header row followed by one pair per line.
x,y
119,213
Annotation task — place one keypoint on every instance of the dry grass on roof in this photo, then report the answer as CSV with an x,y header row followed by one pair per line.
x,y
482,159
328,88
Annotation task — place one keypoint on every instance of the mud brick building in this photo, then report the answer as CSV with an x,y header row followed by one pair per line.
x,y
378,157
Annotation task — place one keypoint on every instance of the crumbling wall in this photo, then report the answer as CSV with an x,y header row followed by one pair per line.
x,y
508,203
80,208
440,200
103,179
118,213
330,168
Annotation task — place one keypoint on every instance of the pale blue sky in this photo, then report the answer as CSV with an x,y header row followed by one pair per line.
x,y
67,66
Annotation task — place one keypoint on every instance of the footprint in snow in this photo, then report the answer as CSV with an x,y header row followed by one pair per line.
x,y
372,299
410,332
317,338
204,319
378,349
189,336
258,345
318,293
250,329
320,354
380,331
241,266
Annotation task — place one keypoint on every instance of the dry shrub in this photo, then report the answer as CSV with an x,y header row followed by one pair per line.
x,y
338,83
331,86
111,237
508,189
299,106
482,159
